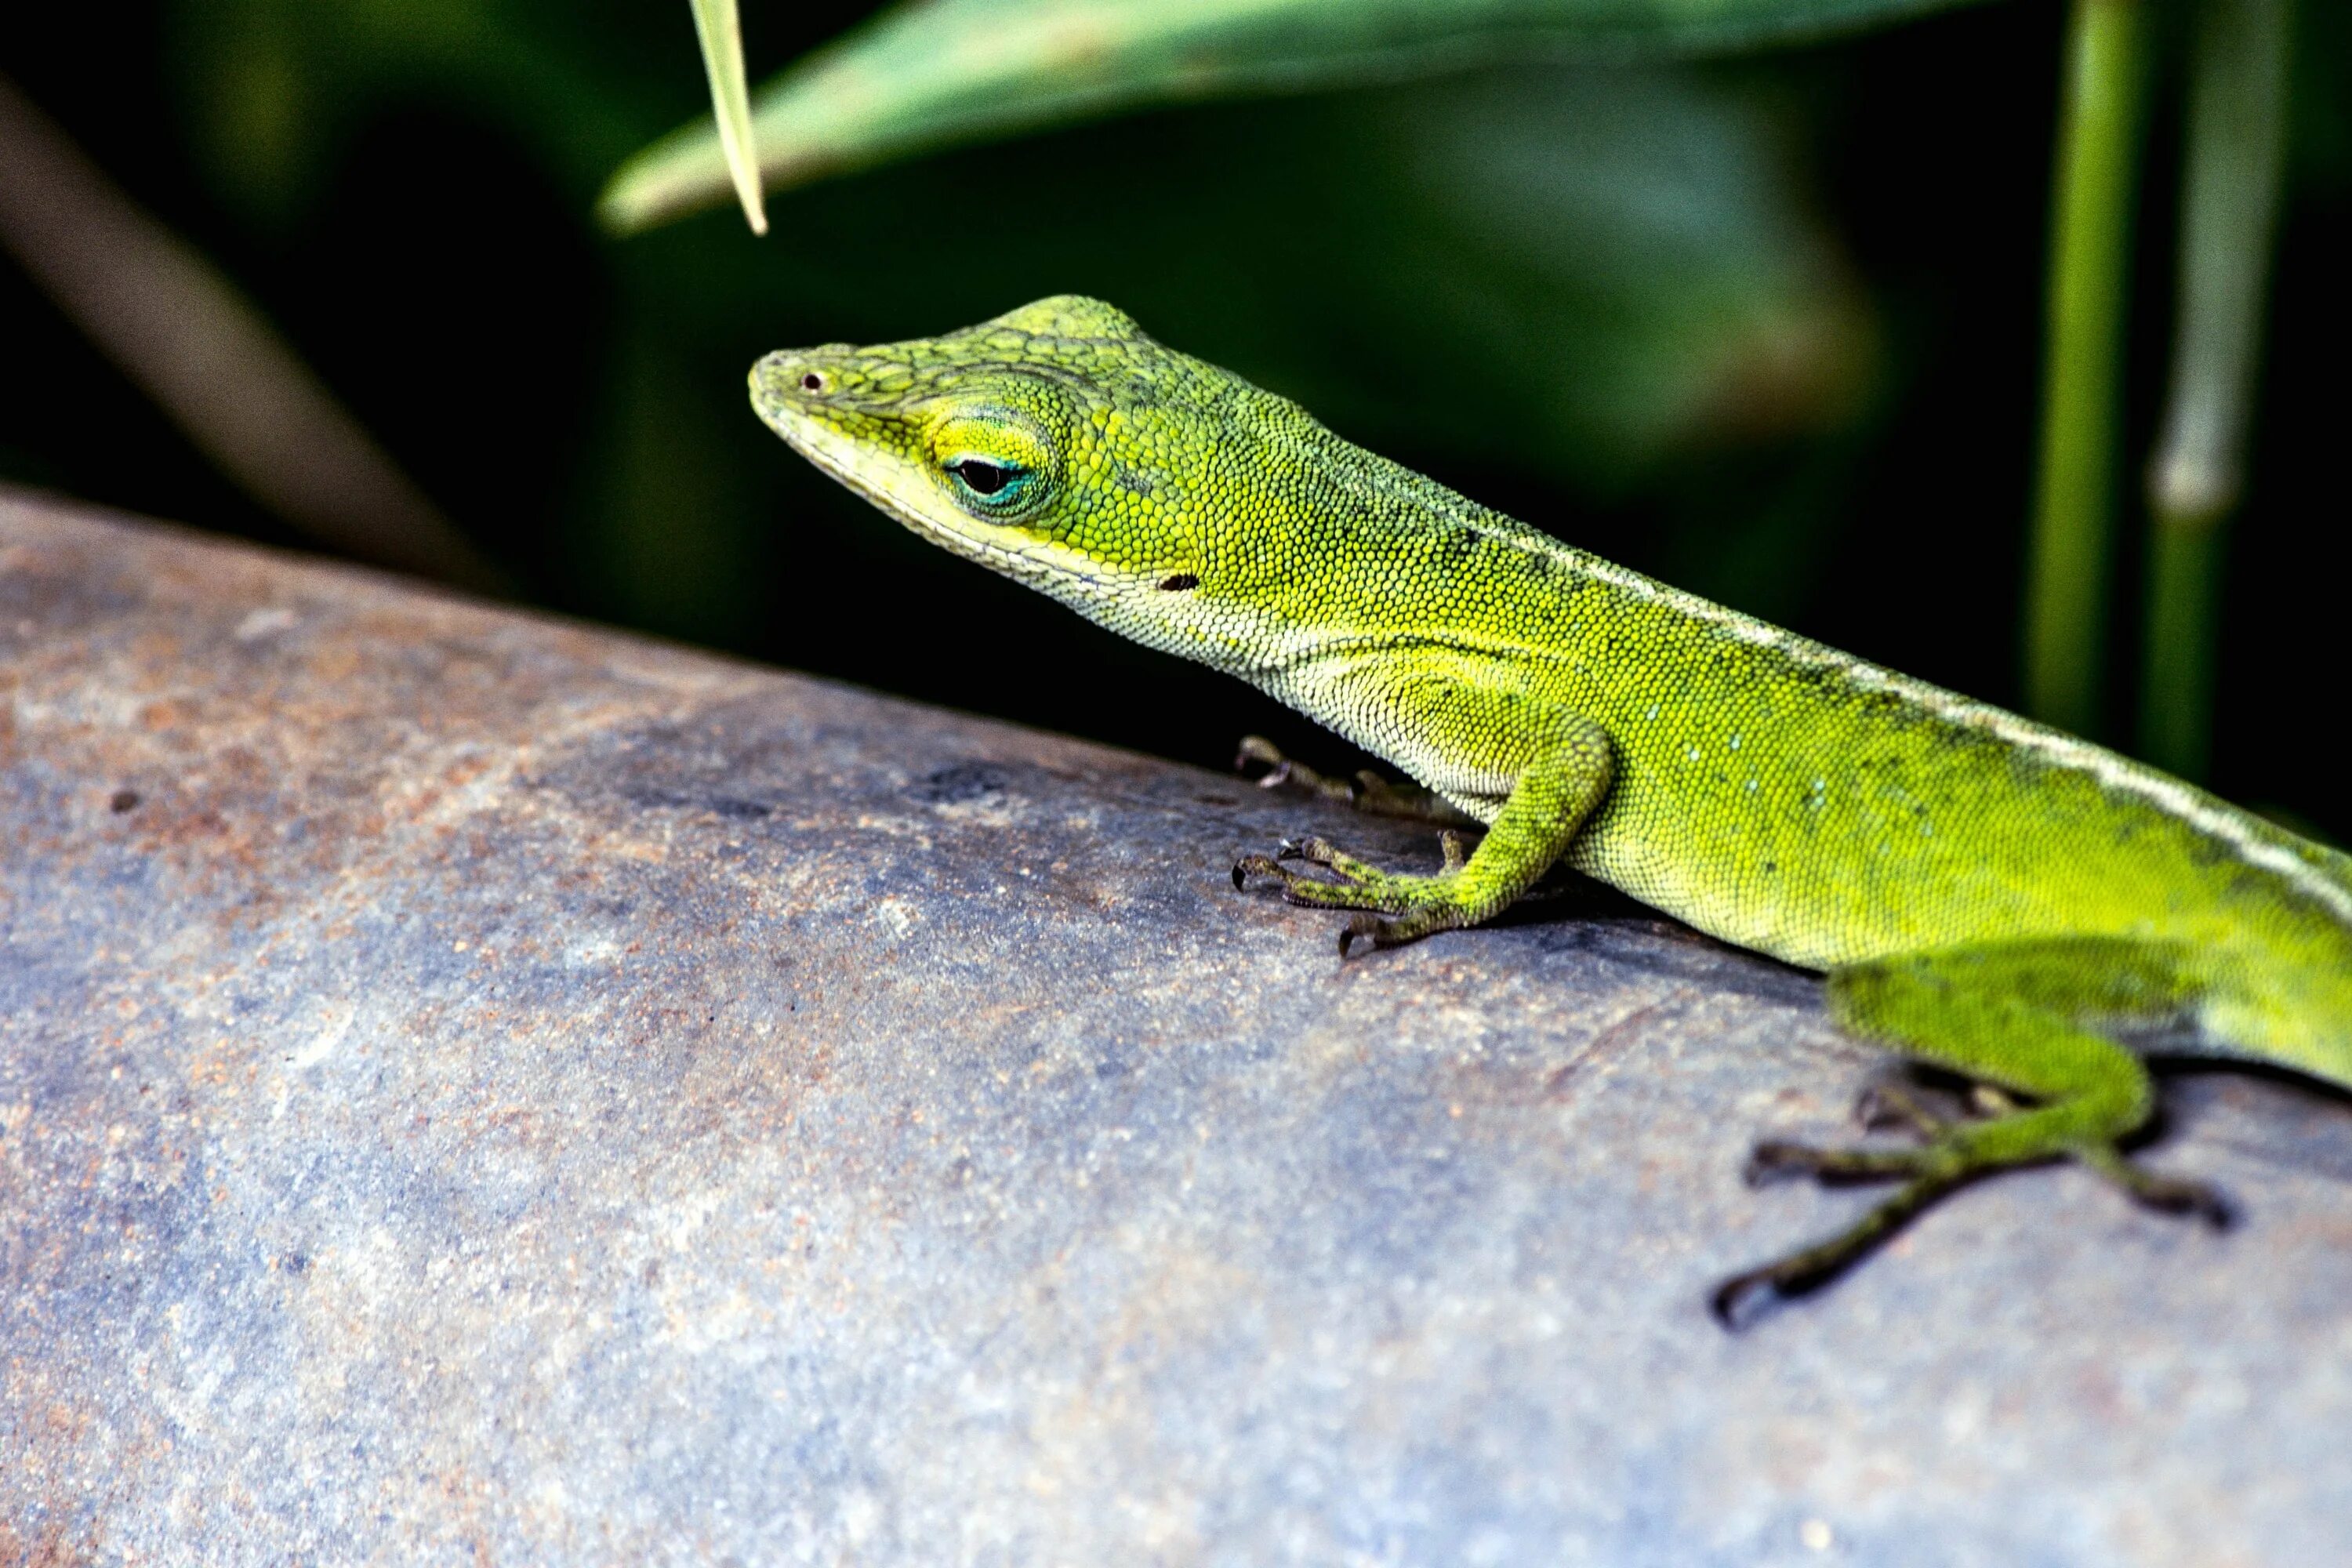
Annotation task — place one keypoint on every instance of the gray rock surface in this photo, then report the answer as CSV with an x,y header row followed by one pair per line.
x,y
476,1089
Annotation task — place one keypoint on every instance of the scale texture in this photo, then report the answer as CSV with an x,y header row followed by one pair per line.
x,y
474,1088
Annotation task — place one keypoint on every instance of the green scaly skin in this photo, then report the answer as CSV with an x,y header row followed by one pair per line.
x,y
1987,895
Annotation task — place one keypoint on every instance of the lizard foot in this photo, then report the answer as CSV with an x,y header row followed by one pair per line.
x,y
1945,1159
1738,1300
1421,904
1366,792
1953,1154
1944,1152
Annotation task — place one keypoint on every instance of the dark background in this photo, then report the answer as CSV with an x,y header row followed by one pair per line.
x,y
1767,328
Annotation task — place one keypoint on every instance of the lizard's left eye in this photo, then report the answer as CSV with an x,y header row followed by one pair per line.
x,y
996,462
990,483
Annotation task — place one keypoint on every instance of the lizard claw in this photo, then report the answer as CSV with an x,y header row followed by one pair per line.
x,y
2166,1195
2195,1200
1774,1161
1250,866
1368,925
1739,1301
1256,750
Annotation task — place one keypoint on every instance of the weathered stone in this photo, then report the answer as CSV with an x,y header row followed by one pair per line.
x,y
475,1088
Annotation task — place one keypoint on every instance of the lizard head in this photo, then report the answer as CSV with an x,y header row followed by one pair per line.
x,y
1056,444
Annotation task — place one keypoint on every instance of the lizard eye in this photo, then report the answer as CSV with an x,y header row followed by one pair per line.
x,y
996,462
990,483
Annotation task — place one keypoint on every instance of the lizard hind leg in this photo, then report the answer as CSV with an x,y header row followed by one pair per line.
x,y
2028,1019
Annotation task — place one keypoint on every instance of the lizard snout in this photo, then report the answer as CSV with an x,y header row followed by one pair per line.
x,y
786,375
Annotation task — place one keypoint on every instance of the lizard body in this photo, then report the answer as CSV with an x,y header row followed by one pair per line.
x,y
1986,894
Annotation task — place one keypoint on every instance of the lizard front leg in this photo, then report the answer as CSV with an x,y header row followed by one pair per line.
x,y
1566,777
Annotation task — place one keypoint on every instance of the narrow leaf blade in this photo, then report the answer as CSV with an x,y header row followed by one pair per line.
x,y
720,27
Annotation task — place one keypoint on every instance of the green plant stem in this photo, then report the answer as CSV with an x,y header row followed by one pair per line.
x,y
2098,144
2177,673
2236,152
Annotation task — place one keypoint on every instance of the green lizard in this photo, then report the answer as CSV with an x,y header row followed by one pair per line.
x,y
1987,895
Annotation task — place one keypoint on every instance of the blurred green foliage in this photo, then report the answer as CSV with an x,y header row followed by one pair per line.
x,y
925,74
1622,256
1766,326
1591,271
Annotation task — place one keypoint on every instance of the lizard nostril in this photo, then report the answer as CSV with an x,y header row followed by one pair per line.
x,y
811,381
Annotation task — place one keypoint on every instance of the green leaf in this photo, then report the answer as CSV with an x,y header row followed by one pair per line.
x,y
720,29
923,75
